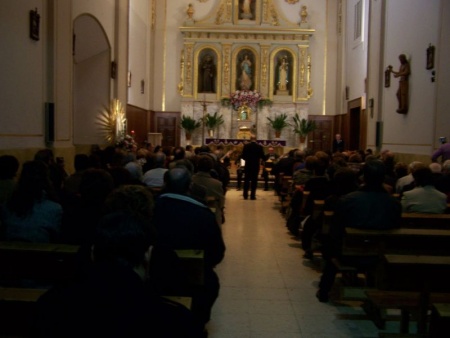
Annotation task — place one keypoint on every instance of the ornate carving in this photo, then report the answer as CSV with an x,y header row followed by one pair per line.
x,y
310,90
304,15
219,16
226,66
302,67
189,65
274,15
291,1
264,60
229,9
180,85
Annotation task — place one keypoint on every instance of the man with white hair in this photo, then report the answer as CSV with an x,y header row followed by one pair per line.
x,y
408,179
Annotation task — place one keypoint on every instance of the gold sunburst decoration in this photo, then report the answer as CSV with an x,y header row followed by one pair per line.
x,y
113,121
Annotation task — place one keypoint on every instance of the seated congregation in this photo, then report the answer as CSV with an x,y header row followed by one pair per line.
x,y
135,241
352,211
143,217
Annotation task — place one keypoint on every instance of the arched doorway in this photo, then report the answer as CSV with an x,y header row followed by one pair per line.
x,y
91,78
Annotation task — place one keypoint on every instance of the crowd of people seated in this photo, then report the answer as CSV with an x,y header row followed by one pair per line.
x,y
126,230
363,190
171,190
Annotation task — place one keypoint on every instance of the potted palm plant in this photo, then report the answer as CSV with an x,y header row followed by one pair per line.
x,y
278,123
212,122
303,127
189,124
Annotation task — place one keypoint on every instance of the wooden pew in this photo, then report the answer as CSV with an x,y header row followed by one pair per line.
x,y
18,311
40,262
193,264
425,221
423,274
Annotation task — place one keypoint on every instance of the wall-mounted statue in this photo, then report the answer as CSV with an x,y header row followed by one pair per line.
x,y
403,88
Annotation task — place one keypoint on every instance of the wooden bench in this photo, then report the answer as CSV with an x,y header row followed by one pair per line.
x,y
425,221
18,311
193,265
40,262
412,283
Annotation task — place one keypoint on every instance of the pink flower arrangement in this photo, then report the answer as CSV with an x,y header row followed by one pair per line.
x,y
248,97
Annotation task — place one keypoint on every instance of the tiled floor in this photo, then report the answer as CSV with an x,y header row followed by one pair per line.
x,y
267,288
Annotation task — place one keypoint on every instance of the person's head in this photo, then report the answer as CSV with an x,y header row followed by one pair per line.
x,y
178,153
9,165
338,137
189,148
414,165
446,167
270,150
435,168
34,183
253,138
423,176
178,180
45,155
124,239
205,163
95,186
400,169
81,162
402,58
374,172
311,162
345,181
133,198
160,160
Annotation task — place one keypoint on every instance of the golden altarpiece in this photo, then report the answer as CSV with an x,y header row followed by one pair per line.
x,y
245,46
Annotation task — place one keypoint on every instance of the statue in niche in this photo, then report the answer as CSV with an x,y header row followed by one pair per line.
x,y
246,10
245,78
283,74
207,76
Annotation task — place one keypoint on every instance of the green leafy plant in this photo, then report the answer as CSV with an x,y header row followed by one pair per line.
x,y
213,121
279,122
189,124
303,127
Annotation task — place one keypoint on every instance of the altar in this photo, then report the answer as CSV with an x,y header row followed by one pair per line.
x,y
245,73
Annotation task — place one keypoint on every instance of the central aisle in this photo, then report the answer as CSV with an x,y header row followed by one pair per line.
x,y
267,288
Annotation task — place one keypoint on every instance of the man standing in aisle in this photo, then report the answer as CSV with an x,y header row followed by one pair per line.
x,y
252,154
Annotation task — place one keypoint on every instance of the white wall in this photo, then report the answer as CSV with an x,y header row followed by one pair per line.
x,y
139,34
23,68
411,25
442,69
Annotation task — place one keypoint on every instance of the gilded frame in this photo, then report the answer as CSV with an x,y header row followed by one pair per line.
x,y
200,52
237,57
292,59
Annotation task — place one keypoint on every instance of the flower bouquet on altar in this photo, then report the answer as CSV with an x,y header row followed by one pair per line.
x,y
250,98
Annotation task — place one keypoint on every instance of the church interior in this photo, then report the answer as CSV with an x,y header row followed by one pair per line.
x,y
80,74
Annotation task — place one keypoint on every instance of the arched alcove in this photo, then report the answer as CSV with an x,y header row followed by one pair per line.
x,y
91,80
